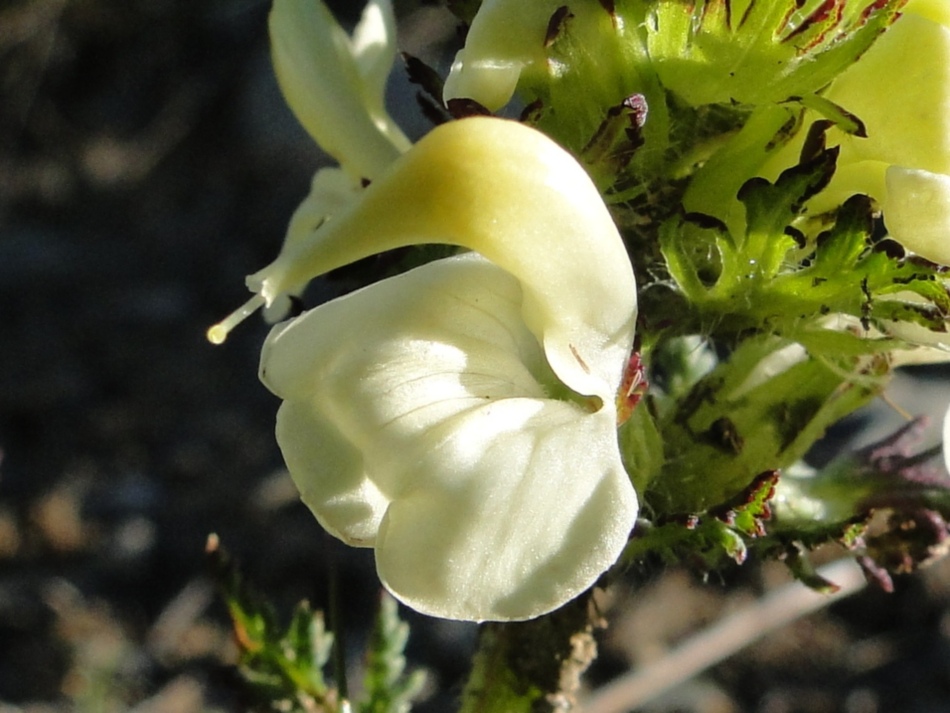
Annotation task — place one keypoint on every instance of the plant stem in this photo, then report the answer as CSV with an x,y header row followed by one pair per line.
x,y
532,666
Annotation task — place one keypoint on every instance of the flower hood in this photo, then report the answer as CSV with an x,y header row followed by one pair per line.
x,y
513,195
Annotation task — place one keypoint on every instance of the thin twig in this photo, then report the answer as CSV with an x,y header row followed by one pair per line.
x,y
723,639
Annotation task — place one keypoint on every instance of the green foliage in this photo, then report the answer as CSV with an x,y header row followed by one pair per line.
x,y
710,538
779,276
759,51
387,687
759,410
283,667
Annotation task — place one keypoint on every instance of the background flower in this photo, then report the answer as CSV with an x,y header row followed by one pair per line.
x,y
900,90
336,84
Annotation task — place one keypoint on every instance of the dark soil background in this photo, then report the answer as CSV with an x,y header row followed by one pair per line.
x,y
147,164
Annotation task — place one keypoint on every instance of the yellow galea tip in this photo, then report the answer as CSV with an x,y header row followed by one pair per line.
x,y
218,333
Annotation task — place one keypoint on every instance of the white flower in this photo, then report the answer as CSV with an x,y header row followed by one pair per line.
x,y
460,418
336,84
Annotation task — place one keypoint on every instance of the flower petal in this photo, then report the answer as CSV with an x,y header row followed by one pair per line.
x,y
529,524
504,39
934,10
900,89
917,211
513,195
492,500
322,83
374,50
373,45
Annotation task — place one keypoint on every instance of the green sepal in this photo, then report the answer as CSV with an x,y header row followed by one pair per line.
x,y
710,539
836,114
641,447
751,415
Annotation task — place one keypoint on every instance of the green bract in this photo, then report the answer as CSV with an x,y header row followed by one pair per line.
x,y
758,51
900,90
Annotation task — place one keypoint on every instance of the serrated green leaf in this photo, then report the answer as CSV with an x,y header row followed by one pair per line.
x,y
760,51
752,510
804,571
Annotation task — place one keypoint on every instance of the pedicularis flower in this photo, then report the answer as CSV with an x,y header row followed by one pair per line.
x,y
460,418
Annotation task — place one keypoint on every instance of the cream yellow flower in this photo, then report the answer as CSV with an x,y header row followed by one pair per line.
x,y
335,84
460,418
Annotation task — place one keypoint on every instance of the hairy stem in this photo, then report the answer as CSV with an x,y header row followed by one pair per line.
x,y
532,666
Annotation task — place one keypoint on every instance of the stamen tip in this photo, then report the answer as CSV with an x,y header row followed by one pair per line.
x,y
216,334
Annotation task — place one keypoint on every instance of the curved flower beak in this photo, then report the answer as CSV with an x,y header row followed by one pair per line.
x,y
460,418
335,84
513,195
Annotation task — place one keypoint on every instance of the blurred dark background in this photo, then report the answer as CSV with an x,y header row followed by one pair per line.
x,y
147,164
